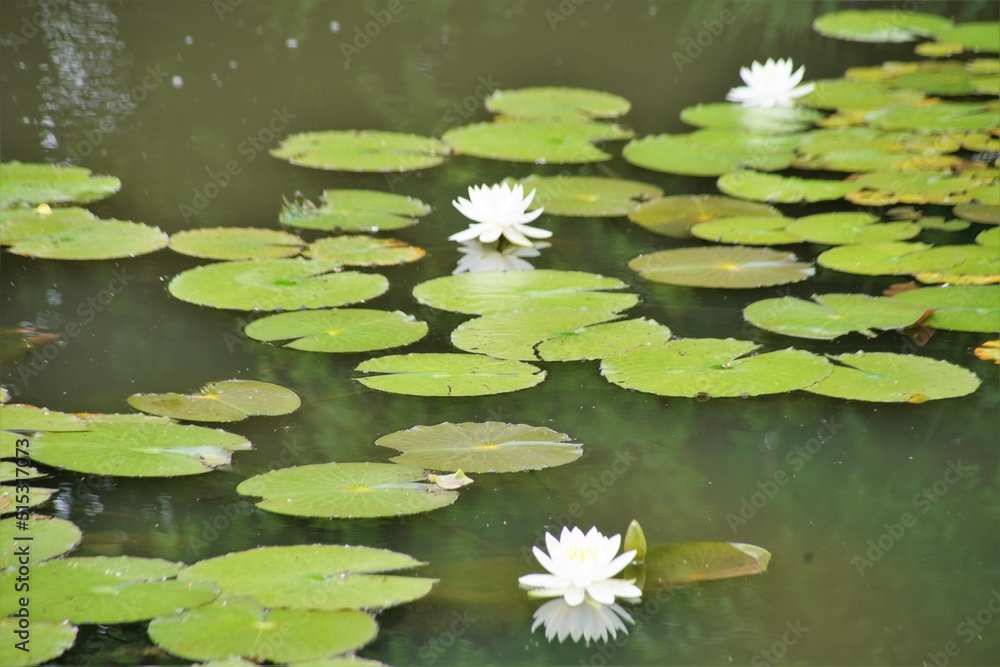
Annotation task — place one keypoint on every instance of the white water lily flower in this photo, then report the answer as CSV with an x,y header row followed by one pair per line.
x,y
589,621
498,211
581,568
770,85
487,257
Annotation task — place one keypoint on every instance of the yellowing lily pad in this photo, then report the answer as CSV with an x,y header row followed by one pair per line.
x,y
920,187
48,641
354,211
448,374
747,230
989,351
516,334
722,266
236,243
275,284
850,227
23,184
363,251
75,233
339,330
958,308
756,120
880,25
486,447
885,377
354,150
557,103
676,215
781,189
603,340
890,259
347,491
228,401
831,315
540,142
45,537
979,266
587,196
683,563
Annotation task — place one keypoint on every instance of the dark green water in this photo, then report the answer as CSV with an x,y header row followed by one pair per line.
x,y
95,85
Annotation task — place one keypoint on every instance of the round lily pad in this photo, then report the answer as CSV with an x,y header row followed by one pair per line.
x,y
354,150
850,227
746,230
889,259
105,590
603,340
676,215
879,25
49,537
713,367
17,417
941,117
756,120
228,401
782,189
516,334
984,213
236,243
448,374
711,152
339,330
557,103
48,641
11,502
347,491
275,284
540,142
942,225
979,266
354,211
958,308
485,447
856,96
680,563
831,315
587,196
138,450
363,251
989,239
496,291
234,626
722,266
885,377
29,184
981,36
75,233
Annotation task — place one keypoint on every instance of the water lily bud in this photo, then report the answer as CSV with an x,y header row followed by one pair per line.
x,y
635,539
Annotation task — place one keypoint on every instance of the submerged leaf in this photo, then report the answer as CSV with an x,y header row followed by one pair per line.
x,y
691,562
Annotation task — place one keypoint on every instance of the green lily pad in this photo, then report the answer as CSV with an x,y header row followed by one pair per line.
x,y
497,291
942,225
236,243
516,334
228,401
275,284
921,187
557,103
16,417
890,259
486,447
683,563
29,184
756,120
950,79
48,641
989,239
713,367
448,375
832,315
344,330
49,537
675,216
722,266
856,95
982,36
879,25
353,150
75,233
587,196
541,142
234,626
354,211
347,491
106,590
958,308
11,502
781,189
363,251
984,213
989,194
11,472
942,117
979,266
845,228
711,152
603,340
746,230
138,450
885,377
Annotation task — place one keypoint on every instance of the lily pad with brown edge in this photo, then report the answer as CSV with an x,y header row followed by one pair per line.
x,y
587,196
983,213
747,231
497,291
599,341
756,120
12,501
979,266
730,267
711,152
980,36
227,401
48,640
240,626
361,250
347,491
714,368
448,374
942,117
958,308
339,330
516,334
920,187
680,563
75,234
28,184
353,211
675,215
576,104
756,186
541,142
885,377
364,150
850,227
890,259
482,447
275,284
880,25
45,537
236,243
832,315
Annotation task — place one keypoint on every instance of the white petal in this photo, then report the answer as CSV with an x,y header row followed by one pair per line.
x,y
466,234
574,596
491,234
533,232
542,581
514,236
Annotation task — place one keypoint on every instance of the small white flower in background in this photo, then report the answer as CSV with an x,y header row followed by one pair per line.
x,y
770,85
590,621
488,257
498,211
581,567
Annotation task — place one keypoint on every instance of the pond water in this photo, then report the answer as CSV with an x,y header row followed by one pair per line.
x,y
168,96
